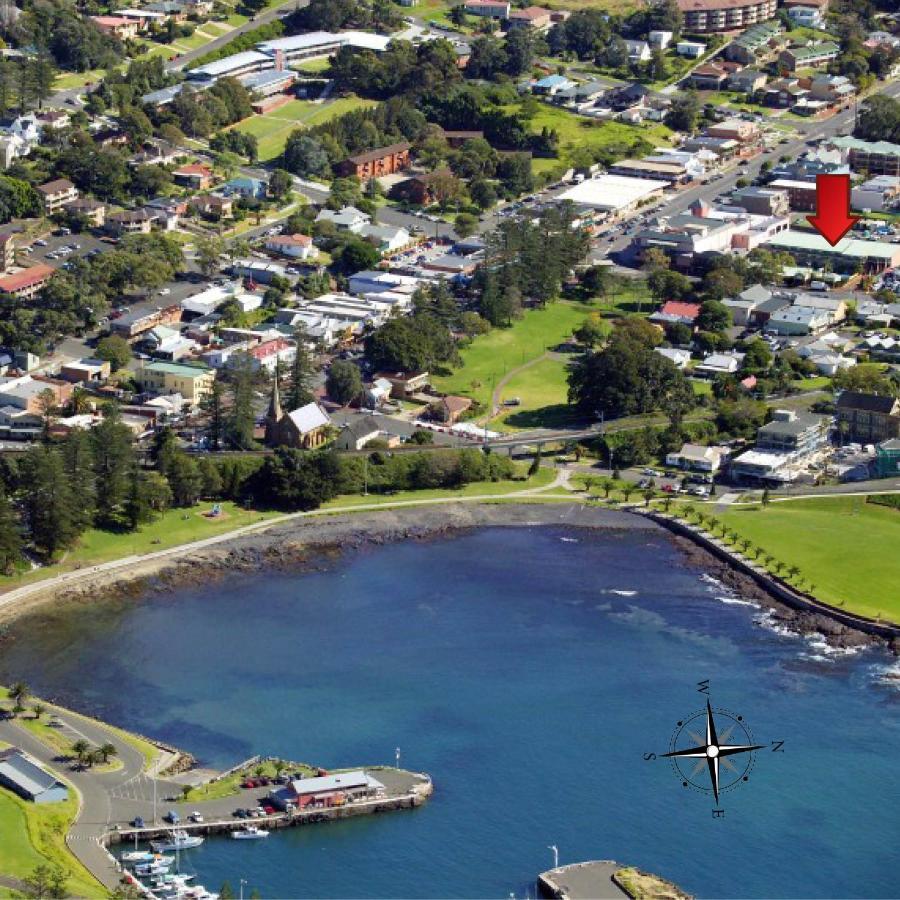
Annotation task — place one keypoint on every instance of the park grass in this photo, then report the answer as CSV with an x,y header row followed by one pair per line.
x,y
843,547
313,65
490,356
33,834
176,526
543,477
543,391
273,129
66,81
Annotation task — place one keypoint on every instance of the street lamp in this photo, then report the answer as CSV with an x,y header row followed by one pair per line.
x,y
397,756
243,882
555,850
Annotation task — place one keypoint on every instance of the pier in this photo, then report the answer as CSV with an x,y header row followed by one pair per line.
x,y
605,880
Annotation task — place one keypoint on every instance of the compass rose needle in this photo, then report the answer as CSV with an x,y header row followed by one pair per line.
x,y
711,739
731,749
712,763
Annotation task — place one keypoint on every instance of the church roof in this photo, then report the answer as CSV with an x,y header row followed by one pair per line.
x,y
308,418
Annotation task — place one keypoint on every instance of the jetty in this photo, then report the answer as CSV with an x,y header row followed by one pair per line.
x,y
605,879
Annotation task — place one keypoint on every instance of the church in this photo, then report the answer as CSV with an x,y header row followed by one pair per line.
x,y
305,428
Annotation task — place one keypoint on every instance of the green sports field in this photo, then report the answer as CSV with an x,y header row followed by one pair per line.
x,y
843,546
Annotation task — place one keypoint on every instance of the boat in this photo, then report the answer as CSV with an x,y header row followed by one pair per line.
x,y
157,867
249,833
138,856
180,840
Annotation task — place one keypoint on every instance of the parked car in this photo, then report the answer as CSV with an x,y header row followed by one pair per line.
x,y
240,813
173,817
195,817
137,822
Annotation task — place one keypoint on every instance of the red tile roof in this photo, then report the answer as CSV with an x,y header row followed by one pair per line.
x,y
268,348
9,284
679,308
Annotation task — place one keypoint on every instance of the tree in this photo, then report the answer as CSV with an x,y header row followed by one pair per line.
x,y
46,881
301,374
38,709
208,250
280,184
355,255
648,494
48,503
107,750
593,330
10,536
78,461
115,350
684,113
304,155
18,693
213,406
240,421
113,463
80,750
343,382
185,479
714,316
296,479
465,225
765,499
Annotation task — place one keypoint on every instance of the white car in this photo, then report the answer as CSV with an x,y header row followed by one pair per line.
x,y
165,292
195,817
40,242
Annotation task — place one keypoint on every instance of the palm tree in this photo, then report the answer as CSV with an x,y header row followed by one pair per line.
x,y
627,490
280,766
81,750
689,510
701,517
779,567
606,485
768,560
107,750
18,693
38,709
758,552
765,498
793,571
667,502
589,483
259,770
745,544
648,495
733,537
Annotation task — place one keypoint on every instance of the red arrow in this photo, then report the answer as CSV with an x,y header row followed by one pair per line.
x,y
832,219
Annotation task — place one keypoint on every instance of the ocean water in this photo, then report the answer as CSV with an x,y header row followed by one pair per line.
x,y
528,671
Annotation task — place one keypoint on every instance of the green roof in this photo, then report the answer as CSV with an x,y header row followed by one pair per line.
x,y
852,143
815,51
176,368
805,240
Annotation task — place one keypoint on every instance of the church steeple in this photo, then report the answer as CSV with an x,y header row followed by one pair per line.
x,y
275,413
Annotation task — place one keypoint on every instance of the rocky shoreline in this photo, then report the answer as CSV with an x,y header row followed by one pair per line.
x,y
309,544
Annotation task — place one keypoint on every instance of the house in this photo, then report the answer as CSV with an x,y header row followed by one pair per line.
x,y
56,194
799,320
196,176
748,300
7,250
747,81
297,246
530,17
118,26
212,206
157,152
739,130
422,188
720,364
376,163
357,433
269,355
26,282
349,218
247,187
638,51
690,49
678,357
192,382
868,418
129,221
659,40
85,371
784,92
90,210
387,238
835,90
696,458
551,85
807,57
449,409
674,312
458,139
709,77
405,384
20,773
492,9
305,428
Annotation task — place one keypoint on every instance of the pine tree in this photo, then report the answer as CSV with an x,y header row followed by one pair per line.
x,y
113,462
78,458
10,536
213,405
241,420
49,505
298,393
212,480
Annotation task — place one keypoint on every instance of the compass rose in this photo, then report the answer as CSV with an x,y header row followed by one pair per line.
x,y
712,750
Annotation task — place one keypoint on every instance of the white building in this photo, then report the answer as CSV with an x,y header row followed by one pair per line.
x,y
613,193
347,219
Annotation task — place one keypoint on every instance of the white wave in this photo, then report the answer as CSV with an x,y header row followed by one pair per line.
x,y
712,581
623,593
888,675
768,621
819,643
736,601
569,540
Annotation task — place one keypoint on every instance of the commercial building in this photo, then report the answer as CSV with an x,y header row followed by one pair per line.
x,y
316,44
697,458
767,201
813,250
754,43
872,157
783,447
20,773
492,9
703,16
868,418
328,790
192,382
26,282
887,459
614,194
133,324
877,194
798,320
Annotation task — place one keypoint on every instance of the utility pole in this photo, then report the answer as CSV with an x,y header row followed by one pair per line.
x,y
243,882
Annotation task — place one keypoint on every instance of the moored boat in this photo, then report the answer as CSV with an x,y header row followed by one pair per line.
x,y
179,840
249,833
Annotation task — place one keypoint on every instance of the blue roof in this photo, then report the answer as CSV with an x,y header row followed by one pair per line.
x,y
552,81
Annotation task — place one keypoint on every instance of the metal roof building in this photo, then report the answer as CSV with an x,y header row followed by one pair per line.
x,y
21,774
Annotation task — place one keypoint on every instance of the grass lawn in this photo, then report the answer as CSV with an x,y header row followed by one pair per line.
x,y
313,65
273,129
177,526
489,357
543,477
68,80
576,132
543,390
842,546
35,834
226,787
